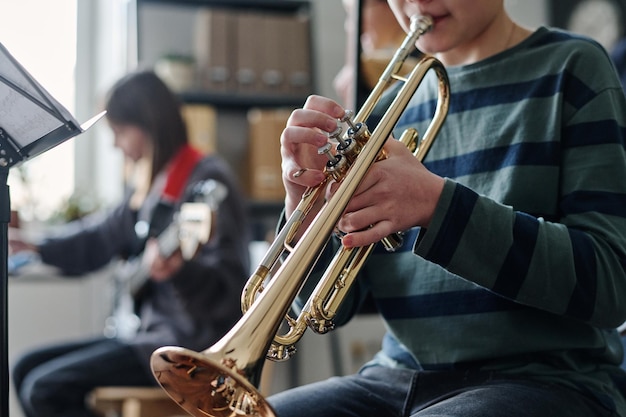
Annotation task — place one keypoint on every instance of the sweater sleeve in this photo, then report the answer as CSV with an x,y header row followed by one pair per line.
x,y
569,259
89,244
572,265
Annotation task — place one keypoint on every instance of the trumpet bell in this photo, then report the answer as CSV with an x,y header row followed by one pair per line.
x,y
207,387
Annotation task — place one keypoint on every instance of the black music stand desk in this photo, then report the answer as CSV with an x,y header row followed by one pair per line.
x,y
31,122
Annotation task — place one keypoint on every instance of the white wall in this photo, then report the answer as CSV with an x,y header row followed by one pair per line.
x,y
330,43
101,59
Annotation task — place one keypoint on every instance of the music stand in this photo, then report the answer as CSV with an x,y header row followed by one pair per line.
x,y
31,122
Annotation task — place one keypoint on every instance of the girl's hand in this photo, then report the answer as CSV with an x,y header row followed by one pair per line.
x,y
161,268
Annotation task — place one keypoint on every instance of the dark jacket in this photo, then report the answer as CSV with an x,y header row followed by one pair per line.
x,y
201,302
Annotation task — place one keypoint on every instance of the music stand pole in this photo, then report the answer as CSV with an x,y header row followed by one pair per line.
x,y
5,218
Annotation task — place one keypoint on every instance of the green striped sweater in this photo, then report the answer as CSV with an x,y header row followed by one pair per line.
x,y
522,269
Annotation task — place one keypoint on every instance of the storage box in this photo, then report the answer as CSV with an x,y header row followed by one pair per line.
x,y
201,120
265,178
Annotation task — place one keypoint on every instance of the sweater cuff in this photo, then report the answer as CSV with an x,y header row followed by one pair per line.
x,y
428,236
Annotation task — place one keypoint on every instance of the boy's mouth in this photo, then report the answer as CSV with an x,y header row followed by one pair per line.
x,y
439,18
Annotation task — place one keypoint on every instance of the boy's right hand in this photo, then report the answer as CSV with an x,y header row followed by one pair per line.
x,y
306,131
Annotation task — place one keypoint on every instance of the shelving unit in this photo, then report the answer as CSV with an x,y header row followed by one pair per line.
x,y
160,28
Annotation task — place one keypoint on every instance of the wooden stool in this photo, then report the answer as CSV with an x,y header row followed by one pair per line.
x,y
119,401
133,402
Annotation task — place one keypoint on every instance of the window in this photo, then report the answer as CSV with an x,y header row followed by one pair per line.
x,y
41,35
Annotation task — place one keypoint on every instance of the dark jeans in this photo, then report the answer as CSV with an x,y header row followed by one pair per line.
x,y
384,392
53,381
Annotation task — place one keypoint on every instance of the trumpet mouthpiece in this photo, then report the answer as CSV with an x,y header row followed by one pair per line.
x,y
421,24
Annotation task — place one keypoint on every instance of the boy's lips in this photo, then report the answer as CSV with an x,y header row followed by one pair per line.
x,y
439,18
435,17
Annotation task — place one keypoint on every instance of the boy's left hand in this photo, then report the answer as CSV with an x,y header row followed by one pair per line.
x,y
397,194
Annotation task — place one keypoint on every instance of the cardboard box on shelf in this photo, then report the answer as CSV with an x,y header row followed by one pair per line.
x,y
299,80
201,120
214,43
252,52
266,126
249,50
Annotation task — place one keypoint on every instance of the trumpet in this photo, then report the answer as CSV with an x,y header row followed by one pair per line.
x,y
221,380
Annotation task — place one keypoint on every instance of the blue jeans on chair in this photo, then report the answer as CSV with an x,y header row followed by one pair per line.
x,y
53,381
384,392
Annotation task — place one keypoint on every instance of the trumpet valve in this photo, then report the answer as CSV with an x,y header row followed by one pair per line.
x,y
346,146
347,118
336,135
337,165
279,353
326,150
360,133
320,326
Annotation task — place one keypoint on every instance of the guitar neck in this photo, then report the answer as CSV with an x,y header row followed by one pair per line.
x,y
168,241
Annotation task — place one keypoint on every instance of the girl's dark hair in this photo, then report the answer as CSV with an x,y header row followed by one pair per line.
x,y
141,99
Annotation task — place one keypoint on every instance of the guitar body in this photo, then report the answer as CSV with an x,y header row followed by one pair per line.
x,y
190,228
